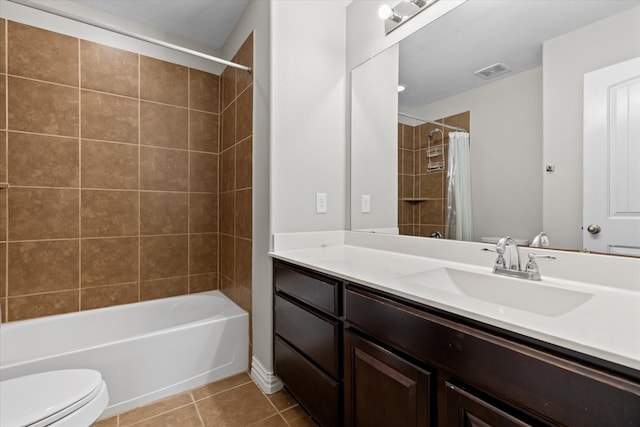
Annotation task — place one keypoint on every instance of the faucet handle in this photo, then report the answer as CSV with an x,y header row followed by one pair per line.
x,y
531,265
500,260
533,256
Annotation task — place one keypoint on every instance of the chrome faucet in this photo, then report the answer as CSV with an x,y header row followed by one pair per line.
x,y
540,241
506,243
514,268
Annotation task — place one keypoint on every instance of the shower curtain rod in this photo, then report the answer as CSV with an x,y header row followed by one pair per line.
x,y
432,123
113,29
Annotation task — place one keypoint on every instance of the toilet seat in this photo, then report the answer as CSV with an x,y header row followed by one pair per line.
x,y
53,398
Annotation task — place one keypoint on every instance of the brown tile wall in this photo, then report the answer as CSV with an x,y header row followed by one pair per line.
x,y
236,178
422,194
112,160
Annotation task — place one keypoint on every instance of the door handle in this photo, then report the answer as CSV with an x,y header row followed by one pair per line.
x,y
594,228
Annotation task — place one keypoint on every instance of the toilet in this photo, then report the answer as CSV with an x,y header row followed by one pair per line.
x,y
494,240
69,398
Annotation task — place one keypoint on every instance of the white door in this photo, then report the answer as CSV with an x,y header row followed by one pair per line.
x,y
611,182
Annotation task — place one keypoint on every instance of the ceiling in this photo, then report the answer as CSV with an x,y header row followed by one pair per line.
x,y
208,22
440,59
436,62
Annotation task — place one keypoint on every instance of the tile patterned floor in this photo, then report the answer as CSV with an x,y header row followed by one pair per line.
x,y
233,402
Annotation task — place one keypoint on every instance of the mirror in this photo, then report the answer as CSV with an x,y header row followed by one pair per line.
x,y
519,122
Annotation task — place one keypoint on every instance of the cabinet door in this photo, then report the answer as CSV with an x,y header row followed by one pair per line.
x,y
383,389
467,410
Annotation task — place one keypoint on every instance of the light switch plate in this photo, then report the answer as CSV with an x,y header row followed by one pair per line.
x,y
321,202
366,204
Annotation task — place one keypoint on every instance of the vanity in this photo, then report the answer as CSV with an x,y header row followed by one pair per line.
x,y
374,330
388,330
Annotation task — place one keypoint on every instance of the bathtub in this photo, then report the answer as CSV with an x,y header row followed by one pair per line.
x,y
145,351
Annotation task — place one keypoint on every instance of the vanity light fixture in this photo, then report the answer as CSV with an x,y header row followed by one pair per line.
x,y
386,12
419,3
399,14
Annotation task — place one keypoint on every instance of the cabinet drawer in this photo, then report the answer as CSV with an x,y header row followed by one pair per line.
x,y
318,291
316,337
318,393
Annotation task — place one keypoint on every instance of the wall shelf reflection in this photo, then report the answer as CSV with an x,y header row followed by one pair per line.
x,y
416,199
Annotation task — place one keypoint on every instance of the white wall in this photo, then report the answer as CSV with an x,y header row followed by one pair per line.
x,y
308,114
298,136
256,18
374,136
565,61
506,152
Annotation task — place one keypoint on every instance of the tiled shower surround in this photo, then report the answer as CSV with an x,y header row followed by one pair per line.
x,y
422,194
129,178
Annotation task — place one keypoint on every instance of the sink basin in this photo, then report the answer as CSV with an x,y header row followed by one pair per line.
x,y
534,297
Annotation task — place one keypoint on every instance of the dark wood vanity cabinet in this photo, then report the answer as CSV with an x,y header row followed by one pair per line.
x,y
308,340
359,357
480,378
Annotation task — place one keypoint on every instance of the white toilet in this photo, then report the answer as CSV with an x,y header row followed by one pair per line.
x,y
69,398
494,240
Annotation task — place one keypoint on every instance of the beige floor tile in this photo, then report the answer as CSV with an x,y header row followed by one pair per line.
x,y
240,406
161,406
107,422
297,417
274,421
303,422
282,400
187,416
232,402
220,386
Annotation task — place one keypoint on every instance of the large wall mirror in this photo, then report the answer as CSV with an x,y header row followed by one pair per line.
x,y
524,118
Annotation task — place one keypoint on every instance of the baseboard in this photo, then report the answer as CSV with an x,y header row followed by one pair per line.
x,y
267,381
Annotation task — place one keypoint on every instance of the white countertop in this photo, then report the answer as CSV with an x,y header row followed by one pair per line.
x,y
606,326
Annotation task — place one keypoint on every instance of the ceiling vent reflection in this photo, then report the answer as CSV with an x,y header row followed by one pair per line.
x,y
492,71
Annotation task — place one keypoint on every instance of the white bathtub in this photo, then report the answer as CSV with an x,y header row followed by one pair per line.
x,y
145,351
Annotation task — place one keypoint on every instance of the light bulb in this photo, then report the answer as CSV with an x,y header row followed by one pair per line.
x,y
419,3
385,11
401,87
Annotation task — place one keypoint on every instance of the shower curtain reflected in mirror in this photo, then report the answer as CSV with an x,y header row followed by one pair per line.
x,y
459,223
